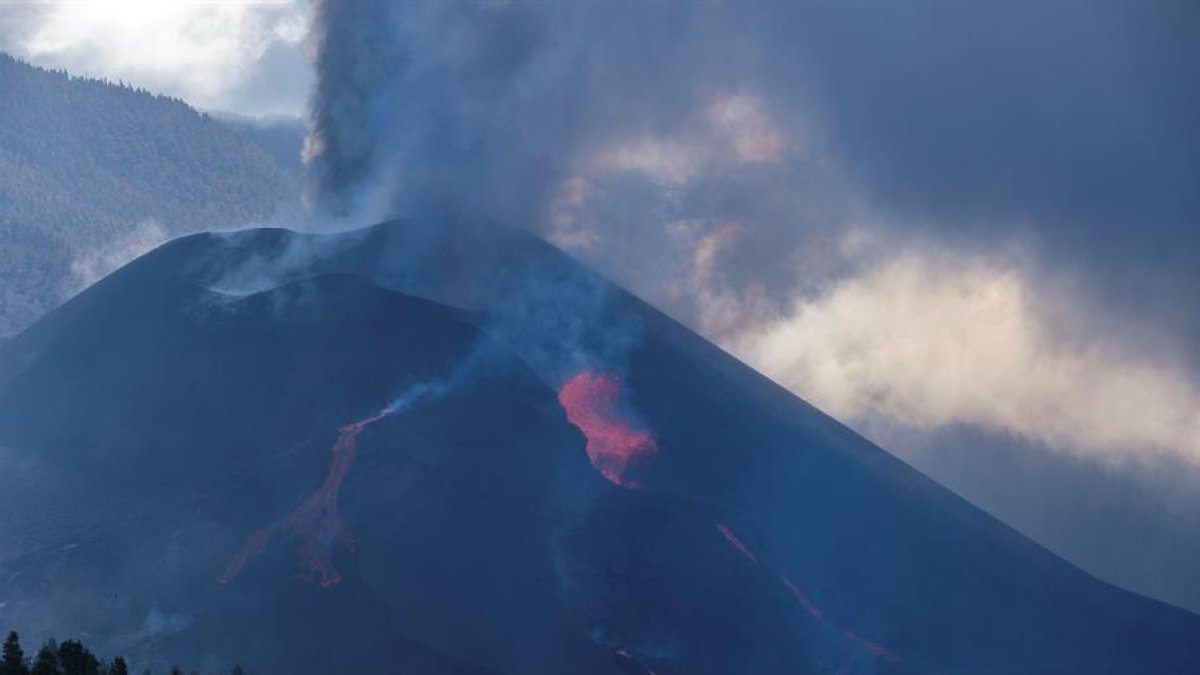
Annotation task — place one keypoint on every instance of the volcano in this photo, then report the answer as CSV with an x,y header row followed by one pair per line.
x,y
407,449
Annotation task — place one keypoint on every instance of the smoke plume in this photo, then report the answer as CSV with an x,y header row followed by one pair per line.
x,y
712,157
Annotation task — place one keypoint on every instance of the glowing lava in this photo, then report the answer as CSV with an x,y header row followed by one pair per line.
x,y
317,523
736,543
806,604
590,400
800,596
873,647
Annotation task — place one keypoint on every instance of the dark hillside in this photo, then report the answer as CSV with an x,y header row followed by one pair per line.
x,y
89,168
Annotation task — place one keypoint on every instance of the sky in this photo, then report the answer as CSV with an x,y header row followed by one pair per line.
x,y
935,220
245,57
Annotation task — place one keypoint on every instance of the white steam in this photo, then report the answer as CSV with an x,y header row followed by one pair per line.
x,y
93,264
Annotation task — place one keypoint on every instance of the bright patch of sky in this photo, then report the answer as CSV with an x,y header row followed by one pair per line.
x,y
245,57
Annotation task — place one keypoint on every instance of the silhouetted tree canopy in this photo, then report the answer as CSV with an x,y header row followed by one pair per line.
x,y
70,657
46,662
12,661
75,659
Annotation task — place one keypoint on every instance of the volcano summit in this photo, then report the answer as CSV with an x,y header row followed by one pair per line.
x,y
407,450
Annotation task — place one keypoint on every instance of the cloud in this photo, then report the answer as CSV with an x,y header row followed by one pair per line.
x,y
931,341
731,132
200,51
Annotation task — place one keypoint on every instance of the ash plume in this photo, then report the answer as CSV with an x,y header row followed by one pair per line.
x,y
355,49
734,162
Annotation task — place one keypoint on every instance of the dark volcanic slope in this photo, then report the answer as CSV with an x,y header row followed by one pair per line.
x,y
221,505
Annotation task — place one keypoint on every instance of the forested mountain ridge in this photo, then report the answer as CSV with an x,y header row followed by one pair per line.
x,y
88,167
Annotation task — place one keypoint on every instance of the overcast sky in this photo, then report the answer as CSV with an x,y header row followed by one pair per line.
x,y
245,57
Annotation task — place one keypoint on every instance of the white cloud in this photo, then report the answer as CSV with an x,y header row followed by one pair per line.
x,y
565,227
200,51
746,129
929,340
733,131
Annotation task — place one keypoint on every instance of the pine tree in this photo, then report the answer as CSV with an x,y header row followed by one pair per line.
x,y
75,659
13,660
118,667
46,661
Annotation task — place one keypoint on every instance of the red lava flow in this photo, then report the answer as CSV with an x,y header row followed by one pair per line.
x,y
590,400
737,543
800,596
873,647
255,544
803,600
317,523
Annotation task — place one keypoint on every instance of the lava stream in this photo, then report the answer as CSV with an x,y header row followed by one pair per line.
x,y
873,647
806,604
614,447
317,523
736,543
801,598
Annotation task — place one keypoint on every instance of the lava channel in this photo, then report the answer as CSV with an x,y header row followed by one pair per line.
x,y
808,605
614,447
736,543
317,523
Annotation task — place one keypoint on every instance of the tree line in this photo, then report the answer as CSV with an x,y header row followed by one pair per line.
x,y
69,657
87,165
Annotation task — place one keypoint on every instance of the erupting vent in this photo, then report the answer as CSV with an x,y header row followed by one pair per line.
x,y
613,445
